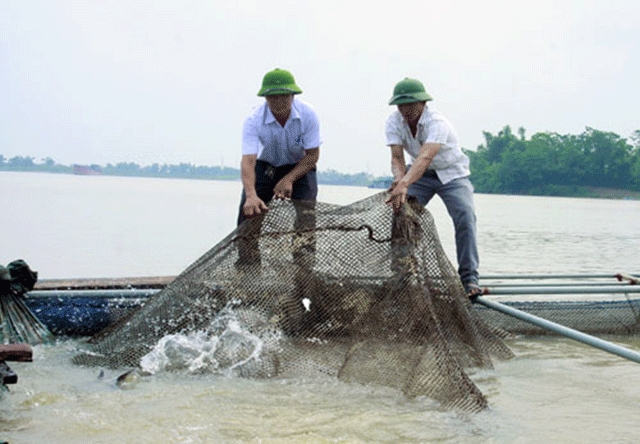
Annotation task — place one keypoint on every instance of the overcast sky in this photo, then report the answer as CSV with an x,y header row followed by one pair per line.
x,y
152,81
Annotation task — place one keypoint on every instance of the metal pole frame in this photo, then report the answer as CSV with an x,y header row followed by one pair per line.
x,y
561,329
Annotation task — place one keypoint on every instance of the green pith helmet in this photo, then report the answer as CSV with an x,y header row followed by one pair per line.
x,y
409,91
278,81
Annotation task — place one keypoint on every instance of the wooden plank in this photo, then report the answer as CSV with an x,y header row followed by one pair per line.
x,y
16,352
103,283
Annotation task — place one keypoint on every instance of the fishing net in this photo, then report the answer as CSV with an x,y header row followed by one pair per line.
x,y
18,324
353,292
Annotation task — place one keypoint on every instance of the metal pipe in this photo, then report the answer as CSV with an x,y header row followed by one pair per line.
x,y
556,276
561,329
612,289
562,284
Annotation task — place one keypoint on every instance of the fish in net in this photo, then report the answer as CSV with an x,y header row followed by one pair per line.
x,y
355,292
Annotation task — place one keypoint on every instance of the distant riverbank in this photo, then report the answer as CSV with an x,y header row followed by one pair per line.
x,y
573,191
362,180
611,193
181,171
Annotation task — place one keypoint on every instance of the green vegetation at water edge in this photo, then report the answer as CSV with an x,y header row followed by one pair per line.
x,y
594,163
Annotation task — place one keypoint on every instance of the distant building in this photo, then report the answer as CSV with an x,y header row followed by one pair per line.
x,y
87,170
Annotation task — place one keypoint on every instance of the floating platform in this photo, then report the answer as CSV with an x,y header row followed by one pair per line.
x,y
594,304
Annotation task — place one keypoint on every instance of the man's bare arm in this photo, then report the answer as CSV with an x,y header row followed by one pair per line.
x,y
253,205
284,187
418,167
398,165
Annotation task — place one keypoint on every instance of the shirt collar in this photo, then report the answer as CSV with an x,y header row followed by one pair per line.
x,y
422,121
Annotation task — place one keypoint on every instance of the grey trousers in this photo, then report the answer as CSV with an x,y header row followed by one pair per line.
x,y
457,196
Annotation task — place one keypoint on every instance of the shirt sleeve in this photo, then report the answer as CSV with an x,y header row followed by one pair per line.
x,y
251,144
311,137
393,131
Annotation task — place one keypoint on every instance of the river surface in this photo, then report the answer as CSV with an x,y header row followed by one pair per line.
x,y
554,390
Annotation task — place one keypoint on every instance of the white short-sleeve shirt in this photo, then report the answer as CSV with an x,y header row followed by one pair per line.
x,y
263,136
450,163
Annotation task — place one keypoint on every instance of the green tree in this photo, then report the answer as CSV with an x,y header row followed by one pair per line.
x,y
19,162
486,162
634,169
608,159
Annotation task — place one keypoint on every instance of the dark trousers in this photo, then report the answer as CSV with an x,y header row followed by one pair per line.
x,y
303,196
267,176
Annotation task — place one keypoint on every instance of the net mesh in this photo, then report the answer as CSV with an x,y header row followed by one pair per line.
x,y
353,291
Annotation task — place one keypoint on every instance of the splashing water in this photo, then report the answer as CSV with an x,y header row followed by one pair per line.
x,y
226,348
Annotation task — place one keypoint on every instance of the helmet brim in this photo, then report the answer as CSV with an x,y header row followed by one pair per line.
x,y
279,90
403,99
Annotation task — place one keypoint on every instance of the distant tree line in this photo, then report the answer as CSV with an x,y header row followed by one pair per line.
x,y
332,177
547,163
554,164
27,163
182,171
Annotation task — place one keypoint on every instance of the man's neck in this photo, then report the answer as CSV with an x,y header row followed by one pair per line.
x,y
282,118
413,125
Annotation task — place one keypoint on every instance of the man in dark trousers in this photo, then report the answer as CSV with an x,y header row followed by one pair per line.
x,y
280,150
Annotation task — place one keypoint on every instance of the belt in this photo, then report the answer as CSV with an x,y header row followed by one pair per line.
x,y
430,173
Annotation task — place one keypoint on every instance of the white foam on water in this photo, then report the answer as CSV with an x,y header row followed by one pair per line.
x,y
193,352
225,346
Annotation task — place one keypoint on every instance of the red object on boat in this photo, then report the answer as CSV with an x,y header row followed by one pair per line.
x,y
87,170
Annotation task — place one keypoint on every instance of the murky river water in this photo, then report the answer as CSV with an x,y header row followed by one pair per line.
x,y
554,390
